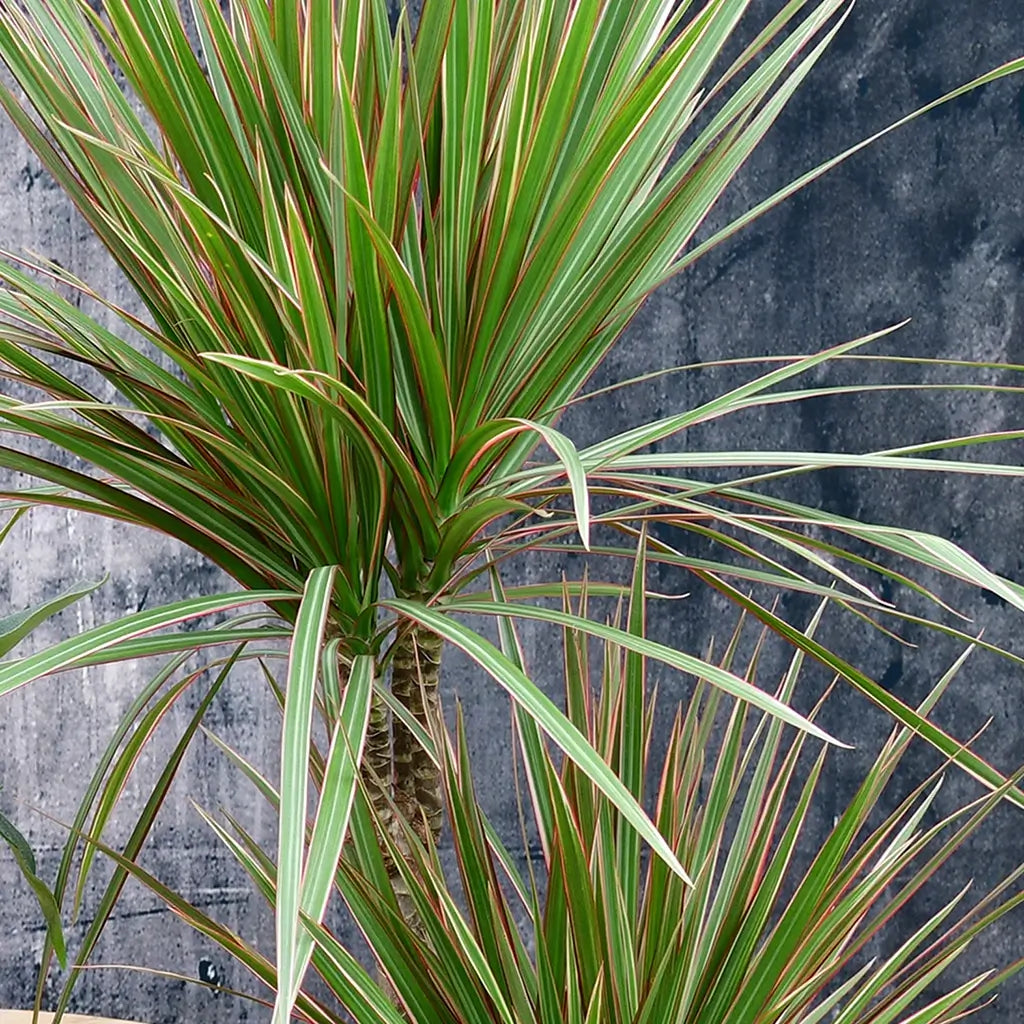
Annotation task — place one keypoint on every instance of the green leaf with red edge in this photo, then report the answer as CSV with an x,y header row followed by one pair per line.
x,y
697,667
300,690
418,361
341,777
526,693
965,759
15,627
25,859
140,831
68,653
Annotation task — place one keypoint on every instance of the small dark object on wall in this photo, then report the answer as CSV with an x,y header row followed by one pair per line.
x,y
210,975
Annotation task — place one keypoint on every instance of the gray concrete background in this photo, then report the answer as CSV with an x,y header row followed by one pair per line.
x,y
929,224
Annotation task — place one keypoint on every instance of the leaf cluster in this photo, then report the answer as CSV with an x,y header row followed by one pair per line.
x,y
600,931
376,265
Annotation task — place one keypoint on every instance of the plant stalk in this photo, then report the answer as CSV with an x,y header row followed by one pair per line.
x,y
375,767
415,672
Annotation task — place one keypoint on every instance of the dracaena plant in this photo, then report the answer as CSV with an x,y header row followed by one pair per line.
x,y
612,935
374,265
766,933
597,932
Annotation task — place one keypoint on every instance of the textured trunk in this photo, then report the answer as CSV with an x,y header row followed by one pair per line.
x,y
376,763
396,770
417,783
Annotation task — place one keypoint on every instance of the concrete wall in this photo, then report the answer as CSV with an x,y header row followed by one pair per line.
x,y
929,224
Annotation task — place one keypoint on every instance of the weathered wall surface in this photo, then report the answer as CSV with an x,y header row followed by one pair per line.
x,y
929,224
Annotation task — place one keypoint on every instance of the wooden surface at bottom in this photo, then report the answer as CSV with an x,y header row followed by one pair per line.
x,y
25,1017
